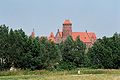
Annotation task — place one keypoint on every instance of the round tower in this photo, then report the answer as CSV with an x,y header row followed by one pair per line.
x,y
67,29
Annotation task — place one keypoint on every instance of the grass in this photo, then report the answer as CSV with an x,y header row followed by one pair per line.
x,y
85,74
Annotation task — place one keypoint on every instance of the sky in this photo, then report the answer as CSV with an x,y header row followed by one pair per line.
x,y
46,16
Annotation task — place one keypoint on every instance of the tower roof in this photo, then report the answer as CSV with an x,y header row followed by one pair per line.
x,y
33,34
67,22
51,37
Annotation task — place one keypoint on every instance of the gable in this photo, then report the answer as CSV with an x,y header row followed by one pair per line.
x,y
58,35
51,37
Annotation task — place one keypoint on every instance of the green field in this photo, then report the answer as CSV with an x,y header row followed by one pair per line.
x,y
85,74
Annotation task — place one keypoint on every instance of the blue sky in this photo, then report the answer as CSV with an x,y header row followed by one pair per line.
x,y
45,16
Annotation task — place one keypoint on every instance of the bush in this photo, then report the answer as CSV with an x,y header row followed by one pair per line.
x,y
66,66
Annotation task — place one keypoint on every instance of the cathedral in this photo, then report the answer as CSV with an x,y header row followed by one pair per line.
x,y
87,38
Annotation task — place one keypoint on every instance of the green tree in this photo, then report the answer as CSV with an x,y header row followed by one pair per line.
x,y
72,53
115,46
105,53
51,54
79,52
3,45
100,56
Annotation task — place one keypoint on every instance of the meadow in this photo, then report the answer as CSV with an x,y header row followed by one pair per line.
x,y
85,74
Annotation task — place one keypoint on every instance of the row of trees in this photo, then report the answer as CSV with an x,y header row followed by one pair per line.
x,y
21,51
105,53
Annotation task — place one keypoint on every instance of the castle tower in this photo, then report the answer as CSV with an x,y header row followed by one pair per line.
x,y
67,29
33,34
51,37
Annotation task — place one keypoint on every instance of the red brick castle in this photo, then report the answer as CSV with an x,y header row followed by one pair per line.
x,y
86,37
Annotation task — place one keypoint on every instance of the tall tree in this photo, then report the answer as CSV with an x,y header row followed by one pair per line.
x,y
51,54
72,53
79,52
106,52
3,45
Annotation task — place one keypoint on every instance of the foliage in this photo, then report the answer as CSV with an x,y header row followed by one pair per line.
x,y
72,53
3,45
105,53
21,51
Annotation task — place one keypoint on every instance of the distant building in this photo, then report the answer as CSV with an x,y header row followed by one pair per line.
x,y
33,34
87,38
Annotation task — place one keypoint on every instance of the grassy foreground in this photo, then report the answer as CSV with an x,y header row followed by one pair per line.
x,y
85,74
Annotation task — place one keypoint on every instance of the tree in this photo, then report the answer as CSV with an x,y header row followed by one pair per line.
x,y
100,57
72,53
21,47
51,54
3,45
67,49
115,46
105,53
79,52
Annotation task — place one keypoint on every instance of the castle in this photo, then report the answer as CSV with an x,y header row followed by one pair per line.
x,y
87,38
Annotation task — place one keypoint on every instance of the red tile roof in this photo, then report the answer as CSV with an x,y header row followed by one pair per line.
x,y
86,37
51,37
61,34
67,22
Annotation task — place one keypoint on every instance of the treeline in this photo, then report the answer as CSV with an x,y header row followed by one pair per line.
x,y
105,53
24,52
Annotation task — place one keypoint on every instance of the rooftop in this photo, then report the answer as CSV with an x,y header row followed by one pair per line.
x,y
67,22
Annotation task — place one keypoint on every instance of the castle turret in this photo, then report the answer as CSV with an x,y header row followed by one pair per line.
x,y
51,37
67,29
33,34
